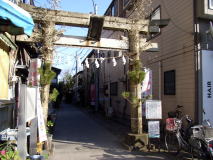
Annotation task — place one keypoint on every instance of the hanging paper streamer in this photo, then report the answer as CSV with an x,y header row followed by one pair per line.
x,y
124,60
119,54
114,62
87,63
96,63
101,59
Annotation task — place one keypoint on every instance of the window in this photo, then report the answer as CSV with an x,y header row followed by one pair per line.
x,y
116,53
169,82
155,15
114,89
210,4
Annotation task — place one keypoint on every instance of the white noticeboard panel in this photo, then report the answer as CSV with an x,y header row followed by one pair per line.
x,y
31,103
207,84
154,129
153,109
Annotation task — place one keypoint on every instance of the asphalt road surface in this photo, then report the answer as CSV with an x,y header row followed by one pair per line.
x,y
77,136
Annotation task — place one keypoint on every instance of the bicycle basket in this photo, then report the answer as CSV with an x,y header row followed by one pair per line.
x,y
171,124
208,132
197,131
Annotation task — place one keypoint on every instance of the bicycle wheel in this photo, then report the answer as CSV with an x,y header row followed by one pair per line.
x,y
171,142
199,149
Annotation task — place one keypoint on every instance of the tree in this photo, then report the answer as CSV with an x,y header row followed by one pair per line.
x,y
47,38
68,84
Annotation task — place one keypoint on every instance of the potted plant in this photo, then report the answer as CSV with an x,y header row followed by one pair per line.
x,y
8,151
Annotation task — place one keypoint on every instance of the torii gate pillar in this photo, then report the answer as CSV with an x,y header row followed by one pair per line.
x,y
136,139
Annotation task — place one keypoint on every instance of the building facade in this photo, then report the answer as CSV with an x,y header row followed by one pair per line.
x,y
178,68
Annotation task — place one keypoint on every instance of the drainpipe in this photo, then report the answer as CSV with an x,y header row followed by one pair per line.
x,y
160,87
198,88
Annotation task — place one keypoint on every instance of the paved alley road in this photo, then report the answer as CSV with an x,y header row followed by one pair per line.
x,y
79,137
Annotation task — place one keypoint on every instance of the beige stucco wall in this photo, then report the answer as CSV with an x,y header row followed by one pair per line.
x,y
176,53
176,46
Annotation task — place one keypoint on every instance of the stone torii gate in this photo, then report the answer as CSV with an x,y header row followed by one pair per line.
x,y
93,40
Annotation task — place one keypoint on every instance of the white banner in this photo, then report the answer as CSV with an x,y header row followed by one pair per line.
x,y
207,84
146,89
41,125
147,84
31,103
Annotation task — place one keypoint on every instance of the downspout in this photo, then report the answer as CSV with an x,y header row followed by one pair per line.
x,y
198,100
160,86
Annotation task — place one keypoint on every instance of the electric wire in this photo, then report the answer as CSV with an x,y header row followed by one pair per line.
x,y
159,58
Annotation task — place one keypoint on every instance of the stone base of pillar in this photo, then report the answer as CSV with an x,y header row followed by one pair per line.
x,y
136,142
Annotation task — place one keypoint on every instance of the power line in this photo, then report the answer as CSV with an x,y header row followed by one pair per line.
x,y
186,52
168,53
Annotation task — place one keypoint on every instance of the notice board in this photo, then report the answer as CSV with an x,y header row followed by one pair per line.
x,y
153,109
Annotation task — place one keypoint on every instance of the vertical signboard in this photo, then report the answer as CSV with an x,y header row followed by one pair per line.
x,y
207,84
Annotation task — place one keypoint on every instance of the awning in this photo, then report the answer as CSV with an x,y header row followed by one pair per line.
x,y
18,17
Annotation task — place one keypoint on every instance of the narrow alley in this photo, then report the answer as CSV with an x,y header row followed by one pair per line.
x,y
78,136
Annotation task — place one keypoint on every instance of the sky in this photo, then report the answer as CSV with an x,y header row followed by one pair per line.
x,y
65,57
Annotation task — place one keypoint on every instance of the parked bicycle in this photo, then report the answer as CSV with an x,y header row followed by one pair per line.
x,y
202,140
194,139
177,136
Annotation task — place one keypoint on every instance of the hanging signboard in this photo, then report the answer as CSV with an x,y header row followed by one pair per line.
x,y
154,129
153,109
